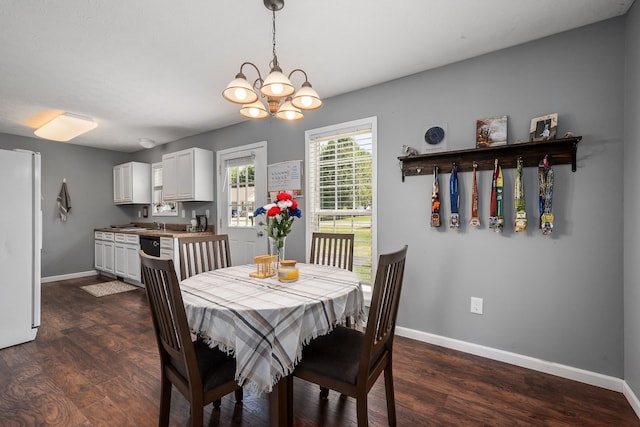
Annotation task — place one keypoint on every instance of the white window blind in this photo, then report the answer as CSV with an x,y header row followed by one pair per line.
x,y
341,187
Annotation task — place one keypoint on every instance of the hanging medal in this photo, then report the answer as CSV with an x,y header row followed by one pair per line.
x,y
475,219
545,180
493,206
435,199
519,199
454,221
499,200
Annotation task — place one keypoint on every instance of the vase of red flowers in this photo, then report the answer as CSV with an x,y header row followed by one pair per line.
x,y
279,217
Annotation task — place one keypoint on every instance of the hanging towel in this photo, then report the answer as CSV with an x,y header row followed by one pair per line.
x,y
64,202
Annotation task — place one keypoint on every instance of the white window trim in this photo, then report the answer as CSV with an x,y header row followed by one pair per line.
x,y
309,135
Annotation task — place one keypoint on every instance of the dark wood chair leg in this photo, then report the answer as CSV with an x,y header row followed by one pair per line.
x,y
390,395
165,401
239,395
197,416
363,415
324,393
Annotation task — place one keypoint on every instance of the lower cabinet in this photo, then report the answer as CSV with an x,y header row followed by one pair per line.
x,y
104,252
127,260
169,249
117,254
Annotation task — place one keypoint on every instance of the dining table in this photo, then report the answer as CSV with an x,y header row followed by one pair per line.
x,y
264,323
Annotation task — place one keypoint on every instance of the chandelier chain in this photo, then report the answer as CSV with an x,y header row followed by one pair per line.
x,y
273,20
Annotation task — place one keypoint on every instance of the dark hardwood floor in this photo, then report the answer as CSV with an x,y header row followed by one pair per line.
x,y
95,363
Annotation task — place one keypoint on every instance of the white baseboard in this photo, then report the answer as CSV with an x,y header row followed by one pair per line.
x,y
631,398
69,276
564,371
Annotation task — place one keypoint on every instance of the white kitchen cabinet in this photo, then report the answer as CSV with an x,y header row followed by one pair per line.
x,y
187,175
166,247
132,183
169,249
104,252
127,259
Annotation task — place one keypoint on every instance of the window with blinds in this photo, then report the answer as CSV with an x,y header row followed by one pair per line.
x,y
341,187
158,206
240,190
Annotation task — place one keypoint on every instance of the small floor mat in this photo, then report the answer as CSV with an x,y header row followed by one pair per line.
x,y
108,288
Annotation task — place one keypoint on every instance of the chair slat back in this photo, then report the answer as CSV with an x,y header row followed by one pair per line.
x,y
383,312
203,253
167,310
334,249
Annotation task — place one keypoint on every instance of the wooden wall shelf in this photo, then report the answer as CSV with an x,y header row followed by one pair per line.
x,y
562,151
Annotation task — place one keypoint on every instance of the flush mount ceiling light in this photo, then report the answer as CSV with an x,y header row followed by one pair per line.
x,y
146,142
65,127
283,103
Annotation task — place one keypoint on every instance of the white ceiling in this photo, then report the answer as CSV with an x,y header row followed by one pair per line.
x,y
156,68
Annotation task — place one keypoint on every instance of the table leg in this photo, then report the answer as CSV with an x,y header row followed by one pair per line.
x,y
281,403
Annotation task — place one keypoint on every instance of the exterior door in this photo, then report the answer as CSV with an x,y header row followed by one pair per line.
x,y
242,187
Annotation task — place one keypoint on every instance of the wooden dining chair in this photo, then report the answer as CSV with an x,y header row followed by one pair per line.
x,y
202,374
335,249
350,361
203,253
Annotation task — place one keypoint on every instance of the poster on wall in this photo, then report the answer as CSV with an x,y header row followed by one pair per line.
x,y
491,132
285,176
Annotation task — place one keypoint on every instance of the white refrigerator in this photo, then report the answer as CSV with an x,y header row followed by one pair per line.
x,y
20,246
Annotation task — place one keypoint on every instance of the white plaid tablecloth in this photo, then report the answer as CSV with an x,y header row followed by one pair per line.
x,y
263,322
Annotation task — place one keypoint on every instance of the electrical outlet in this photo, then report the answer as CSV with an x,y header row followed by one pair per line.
x,y
139,214
476,305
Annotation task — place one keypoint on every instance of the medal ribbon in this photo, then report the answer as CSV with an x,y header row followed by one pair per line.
x,y
545,179
499,202
454,221
493,207
475,220
519,199
435,199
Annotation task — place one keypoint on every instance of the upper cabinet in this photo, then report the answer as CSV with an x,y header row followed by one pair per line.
x,y
132,183
187,175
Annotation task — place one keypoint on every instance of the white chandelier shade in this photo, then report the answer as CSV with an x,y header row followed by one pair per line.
x,y
254,110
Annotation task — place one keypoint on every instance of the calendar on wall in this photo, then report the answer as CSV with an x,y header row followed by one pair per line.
x,y
285,176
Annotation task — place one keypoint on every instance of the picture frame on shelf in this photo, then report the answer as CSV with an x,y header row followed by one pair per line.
x,y
544,128
491,132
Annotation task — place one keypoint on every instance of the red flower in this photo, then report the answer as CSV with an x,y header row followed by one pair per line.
x,y
274,211
283,196
294,204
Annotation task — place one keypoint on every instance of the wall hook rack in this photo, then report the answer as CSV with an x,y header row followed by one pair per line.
x,y
562,151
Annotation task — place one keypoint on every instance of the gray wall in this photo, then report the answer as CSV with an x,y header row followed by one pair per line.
x,y
68,247
632,201
557,298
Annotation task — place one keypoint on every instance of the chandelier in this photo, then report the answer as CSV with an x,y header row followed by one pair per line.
x,y
282,102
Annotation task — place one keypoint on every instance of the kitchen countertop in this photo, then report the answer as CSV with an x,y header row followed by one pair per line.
x,y
157,233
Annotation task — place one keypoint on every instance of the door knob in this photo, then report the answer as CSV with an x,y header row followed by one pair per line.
x,y
260,234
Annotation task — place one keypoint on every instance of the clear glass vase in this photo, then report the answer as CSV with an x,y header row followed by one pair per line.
x,y
276,247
